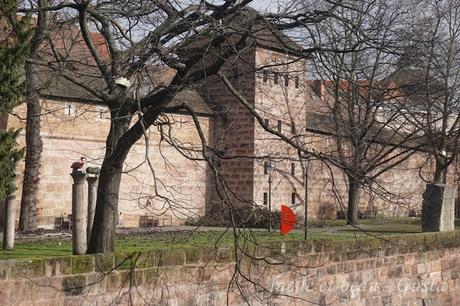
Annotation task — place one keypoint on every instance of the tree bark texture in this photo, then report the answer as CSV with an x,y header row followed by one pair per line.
x,y
34,146
102,237
440,173
353,201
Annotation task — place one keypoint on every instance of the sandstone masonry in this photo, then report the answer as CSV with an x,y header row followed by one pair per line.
x,y
406,270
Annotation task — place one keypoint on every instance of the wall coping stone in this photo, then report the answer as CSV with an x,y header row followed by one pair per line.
x,y
311,251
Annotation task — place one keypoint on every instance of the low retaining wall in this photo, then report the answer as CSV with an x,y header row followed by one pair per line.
x,y
406,270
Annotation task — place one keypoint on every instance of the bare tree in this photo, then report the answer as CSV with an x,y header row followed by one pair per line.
x,y
428,75
195,40
360,110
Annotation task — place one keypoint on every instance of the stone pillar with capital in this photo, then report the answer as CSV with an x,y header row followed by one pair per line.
x,y
92,197
79,213
10,223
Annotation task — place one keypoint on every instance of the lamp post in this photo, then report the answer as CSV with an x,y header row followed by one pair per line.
x,y
270,169
306,198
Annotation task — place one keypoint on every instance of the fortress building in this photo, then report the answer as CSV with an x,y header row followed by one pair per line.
x,y
165,176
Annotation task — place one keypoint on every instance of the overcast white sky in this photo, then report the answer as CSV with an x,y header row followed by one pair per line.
x,y
264,5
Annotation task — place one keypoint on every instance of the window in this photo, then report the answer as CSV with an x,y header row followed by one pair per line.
x,y
293,129
279,126
286,80
292,169
296,82
266,122
265,76
275,78
99,112
265,167
293,196
70,110
265,198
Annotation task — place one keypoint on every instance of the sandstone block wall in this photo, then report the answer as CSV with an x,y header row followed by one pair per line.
x,y
281,99
285,105
232,133
71,130
414,270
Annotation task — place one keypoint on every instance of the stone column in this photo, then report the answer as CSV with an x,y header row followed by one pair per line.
x,y
79,214
10,223
92,197
438,208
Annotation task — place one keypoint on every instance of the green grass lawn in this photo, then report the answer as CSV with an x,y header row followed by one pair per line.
x,y
329,230
63,247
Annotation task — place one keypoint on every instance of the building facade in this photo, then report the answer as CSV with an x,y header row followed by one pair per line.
x,y
166,179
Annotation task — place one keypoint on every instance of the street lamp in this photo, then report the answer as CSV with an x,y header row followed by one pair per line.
x,y
270,169
306,198
306,167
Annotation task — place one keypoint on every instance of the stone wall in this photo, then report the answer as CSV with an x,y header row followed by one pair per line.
x,y
407,270
232,133
282,101
71,130
284,104
394,193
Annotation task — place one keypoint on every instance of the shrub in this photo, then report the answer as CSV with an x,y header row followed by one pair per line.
x,y
258,217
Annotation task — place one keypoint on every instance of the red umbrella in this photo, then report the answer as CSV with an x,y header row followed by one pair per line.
x,y
287,221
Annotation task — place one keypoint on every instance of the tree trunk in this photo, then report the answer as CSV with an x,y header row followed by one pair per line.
x,y
353,201
34,145
103,233
102,237
440,173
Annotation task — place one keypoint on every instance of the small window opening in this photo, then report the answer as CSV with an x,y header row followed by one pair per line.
x,y
70,110
265,76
